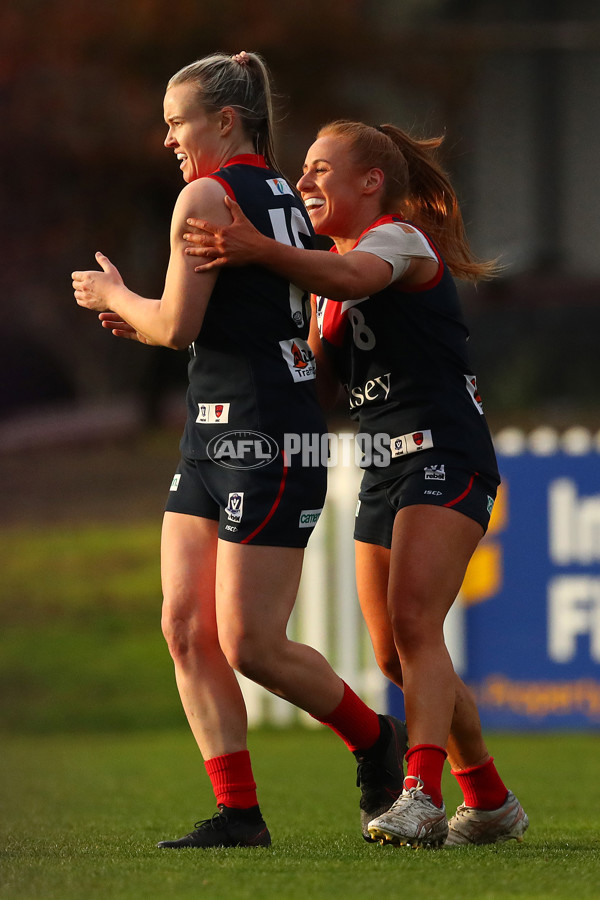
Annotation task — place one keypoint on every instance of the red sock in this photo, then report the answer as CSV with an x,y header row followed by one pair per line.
x,y
352,720
482,787
232,779
425,762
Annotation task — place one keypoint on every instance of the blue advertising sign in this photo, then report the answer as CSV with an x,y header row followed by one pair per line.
x,y
531,598
533,609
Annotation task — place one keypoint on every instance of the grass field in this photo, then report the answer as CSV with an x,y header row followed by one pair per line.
x,y
97,765
81,815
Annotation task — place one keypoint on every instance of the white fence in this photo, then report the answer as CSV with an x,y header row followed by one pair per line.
x,y
327,615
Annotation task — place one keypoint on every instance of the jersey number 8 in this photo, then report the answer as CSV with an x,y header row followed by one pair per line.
x,y
364,337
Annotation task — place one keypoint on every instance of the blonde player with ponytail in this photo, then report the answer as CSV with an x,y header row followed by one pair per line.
x,y
235,529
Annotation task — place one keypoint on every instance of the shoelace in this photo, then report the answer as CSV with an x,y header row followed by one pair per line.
x,y
416,787
216,821
462,811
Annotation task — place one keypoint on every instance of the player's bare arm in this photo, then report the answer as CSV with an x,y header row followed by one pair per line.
x,y
174,320
339,277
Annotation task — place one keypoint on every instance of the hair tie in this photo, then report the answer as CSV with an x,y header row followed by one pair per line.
x,y
241,58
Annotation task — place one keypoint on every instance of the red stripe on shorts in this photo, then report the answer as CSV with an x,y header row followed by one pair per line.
x,y
275,504
463,495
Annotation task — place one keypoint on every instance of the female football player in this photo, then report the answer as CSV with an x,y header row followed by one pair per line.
x,y
235,525
391,329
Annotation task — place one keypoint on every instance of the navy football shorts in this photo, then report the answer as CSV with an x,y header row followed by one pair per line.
x,y
274,506
433,485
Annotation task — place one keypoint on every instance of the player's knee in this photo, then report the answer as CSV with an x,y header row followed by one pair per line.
x,y
176,635
244,658
391,668
182,634
413,628
247,654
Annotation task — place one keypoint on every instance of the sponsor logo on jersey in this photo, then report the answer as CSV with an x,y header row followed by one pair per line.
x,y
235,506
309,518
213,413
175,482
435,473
279,186
433,493
242,449
474,393
376,389
299,358
411,443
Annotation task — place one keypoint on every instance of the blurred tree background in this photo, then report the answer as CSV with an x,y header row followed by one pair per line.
x,y
84,168
89,424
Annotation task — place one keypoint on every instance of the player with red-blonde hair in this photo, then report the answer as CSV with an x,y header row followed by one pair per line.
x,y
391,329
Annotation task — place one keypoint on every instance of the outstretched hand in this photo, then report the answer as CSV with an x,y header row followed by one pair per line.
x,y
237,244
92,289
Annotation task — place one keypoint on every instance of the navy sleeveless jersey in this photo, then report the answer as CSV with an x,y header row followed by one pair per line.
x,y
250,367
402,356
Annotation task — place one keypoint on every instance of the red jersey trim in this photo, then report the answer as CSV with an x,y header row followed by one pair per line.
x,y
383,220
242,159
224,184
247,159
333,322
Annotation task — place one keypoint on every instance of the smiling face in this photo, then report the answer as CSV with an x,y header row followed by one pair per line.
x,y
194,135
335,190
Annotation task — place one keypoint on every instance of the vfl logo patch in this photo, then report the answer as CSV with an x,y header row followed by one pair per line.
x,y
410,443
175,482
235,507
213,413
299,359
490,504
435,473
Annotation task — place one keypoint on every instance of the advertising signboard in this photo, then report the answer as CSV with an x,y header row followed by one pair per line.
x,y
532,597
530,617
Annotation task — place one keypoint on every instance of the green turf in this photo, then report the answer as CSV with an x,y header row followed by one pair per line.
x,y
96,763
79,616
80,815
